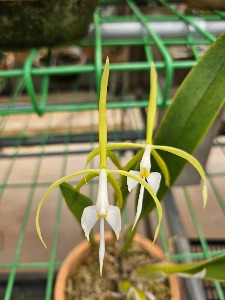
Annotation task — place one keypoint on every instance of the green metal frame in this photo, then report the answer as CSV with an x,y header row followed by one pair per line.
x,y
40,104
39,99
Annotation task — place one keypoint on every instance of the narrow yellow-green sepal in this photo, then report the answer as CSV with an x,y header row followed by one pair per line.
x,y
162,166
102,124
112,146
50,189
114,158
195,163
151,105
133,160
149,189
92,155
85,180
117,190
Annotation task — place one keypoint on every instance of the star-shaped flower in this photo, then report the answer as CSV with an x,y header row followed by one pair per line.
x,y
101,211
153,180
149,148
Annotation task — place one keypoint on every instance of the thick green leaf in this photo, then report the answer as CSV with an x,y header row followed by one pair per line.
x,y
212,269
194,108
75,201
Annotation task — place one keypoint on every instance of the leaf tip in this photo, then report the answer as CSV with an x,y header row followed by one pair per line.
x,y
156,233
204,195
39,234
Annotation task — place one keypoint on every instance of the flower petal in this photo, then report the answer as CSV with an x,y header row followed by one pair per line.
x,y
114,219
139,206
131,183
102,244
154,181
88,219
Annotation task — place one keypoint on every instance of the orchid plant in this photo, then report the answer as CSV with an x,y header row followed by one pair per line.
x,y
153,179
103,211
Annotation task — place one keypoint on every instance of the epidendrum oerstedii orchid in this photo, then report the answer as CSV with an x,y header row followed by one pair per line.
x,y
102,210
149,148
153,179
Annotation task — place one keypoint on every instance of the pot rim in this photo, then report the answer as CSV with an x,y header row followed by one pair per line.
x,y
77,254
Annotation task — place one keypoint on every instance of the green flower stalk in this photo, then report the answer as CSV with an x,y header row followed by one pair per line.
x,y
154,178
102,210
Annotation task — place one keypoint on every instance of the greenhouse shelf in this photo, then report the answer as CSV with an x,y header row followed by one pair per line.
x,y
46,131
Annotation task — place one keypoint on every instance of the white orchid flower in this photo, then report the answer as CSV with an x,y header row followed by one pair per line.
x,y
153,180
101,211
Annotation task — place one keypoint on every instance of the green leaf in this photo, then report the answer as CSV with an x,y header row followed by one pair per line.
x,y
212,269
194,108
75,201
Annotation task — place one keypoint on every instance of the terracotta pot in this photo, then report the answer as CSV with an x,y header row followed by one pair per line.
x,y
78,254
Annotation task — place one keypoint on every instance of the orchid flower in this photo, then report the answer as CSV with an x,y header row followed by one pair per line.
x,y
153,179
102,210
